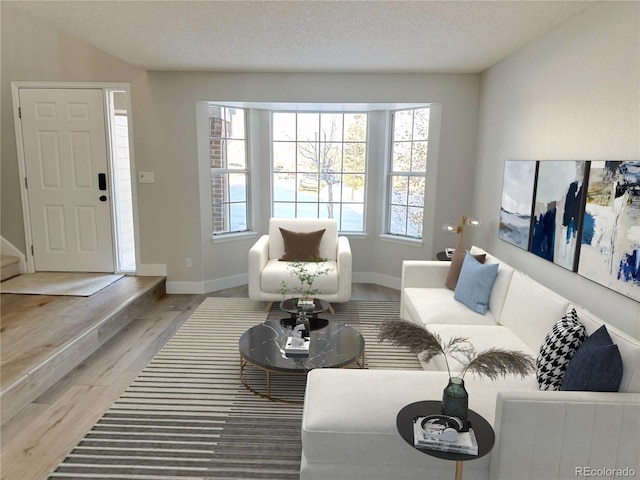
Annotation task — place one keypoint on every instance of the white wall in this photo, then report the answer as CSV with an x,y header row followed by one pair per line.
x,y
573,94
165,137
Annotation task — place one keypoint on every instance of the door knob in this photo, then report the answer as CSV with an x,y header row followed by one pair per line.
x,y
103,198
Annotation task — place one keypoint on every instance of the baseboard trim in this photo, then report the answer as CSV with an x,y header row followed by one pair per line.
x,y
242,279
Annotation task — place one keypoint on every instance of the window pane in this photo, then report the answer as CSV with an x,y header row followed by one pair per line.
x,y
284,126
308,156
402,125
284,210
398,220
307,210
236,155
355,127
284,156
414,227
421,124
416,191
332,158
419,157
354,157
235,122
238,187
399,189
238,213
330,192
284,187
330,127
308,127
401,157
353,188
352,217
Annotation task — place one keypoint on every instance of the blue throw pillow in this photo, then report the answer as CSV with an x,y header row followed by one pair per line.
x,y
475,284
596,365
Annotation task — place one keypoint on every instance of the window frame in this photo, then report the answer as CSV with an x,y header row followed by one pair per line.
x,y
390,173
246,171
299,174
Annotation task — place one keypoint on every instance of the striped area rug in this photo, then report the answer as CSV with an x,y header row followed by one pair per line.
x,y
187,416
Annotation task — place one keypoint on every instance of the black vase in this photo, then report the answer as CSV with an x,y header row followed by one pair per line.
x,y
455,399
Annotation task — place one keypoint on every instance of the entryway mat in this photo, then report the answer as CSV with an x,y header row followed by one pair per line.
x,y
58,283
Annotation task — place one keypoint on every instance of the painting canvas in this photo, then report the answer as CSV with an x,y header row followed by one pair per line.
x,y
559,201
517,202
610,250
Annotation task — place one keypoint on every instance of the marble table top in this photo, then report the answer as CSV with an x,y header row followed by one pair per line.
x,y
333,345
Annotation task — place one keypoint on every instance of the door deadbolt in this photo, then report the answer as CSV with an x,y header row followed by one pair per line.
x,y
103,198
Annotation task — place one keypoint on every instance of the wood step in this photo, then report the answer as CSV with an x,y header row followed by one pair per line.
x,y
9,267
45,337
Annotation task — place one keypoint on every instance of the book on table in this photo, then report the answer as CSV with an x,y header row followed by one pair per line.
x,y
465,442
292,347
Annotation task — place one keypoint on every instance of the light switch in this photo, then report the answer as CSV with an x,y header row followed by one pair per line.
x,y
146,177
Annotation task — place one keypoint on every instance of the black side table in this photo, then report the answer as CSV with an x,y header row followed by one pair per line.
x,y
442,256
483,431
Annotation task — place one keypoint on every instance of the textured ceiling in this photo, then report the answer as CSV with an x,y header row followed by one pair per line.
x,y
308,36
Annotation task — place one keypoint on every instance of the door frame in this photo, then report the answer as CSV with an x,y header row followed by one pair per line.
x,y
22,168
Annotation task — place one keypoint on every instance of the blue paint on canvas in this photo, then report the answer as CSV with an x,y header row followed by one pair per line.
x,y
629,270
572,210
588,228
544,230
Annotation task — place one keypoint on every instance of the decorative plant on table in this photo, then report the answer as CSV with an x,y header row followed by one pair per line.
x,y
303,289
492,363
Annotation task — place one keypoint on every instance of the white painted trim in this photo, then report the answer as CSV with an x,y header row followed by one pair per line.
x,y
7,248
181,288
152,270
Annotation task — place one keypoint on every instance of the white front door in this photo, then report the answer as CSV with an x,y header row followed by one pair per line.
x,y
64,144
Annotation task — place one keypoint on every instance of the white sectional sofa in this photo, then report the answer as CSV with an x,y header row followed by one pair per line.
x,y
349,421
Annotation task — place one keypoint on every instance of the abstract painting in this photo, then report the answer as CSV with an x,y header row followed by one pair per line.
x,y
517,202
559,202
610,245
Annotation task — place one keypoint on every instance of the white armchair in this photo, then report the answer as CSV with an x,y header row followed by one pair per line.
x,y
266,271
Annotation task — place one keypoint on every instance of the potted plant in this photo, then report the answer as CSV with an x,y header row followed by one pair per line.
x,y
303,290
492,363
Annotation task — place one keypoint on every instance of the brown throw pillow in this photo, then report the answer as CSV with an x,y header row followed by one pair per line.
x,y
456,266
301,247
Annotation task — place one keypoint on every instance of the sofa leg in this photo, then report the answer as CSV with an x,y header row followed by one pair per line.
x,y
267,306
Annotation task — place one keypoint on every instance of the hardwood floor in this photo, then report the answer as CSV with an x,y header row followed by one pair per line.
x,y
35,441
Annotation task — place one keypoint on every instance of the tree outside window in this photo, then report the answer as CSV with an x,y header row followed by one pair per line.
x,y
319,162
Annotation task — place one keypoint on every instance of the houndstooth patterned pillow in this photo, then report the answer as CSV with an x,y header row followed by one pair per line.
x,y
557,350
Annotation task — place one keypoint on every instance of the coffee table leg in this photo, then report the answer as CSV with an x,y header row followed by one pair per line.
x,y
458,470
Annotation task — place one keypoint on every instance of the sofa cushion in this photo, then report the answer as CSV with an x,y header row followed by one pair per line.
x,y
481,337
531,310
301,246
557,350
628,346
596,366
456,265
275,272
500,286
475,284
427,306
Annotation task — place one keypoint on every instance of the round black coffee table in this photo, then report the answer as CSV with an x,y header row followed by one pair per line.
x,y
331,345
485,435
